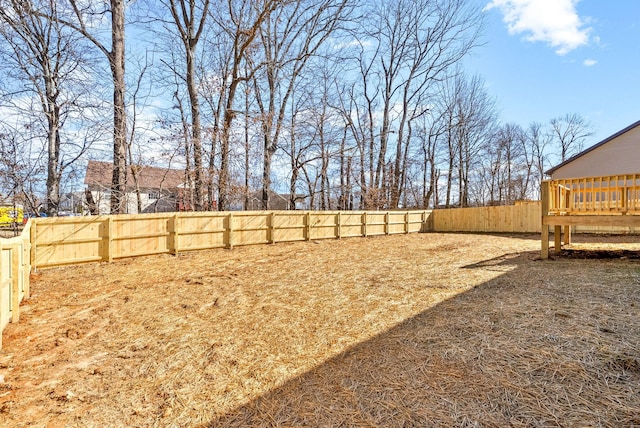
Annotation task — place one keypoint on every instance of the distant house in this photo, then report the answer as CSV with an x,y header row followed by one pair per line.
x,y
161,189
71,202
617,154
277,201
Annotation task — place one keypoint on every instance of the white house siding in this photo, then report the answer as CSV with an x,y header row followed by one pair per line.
x,y
621,155
103,201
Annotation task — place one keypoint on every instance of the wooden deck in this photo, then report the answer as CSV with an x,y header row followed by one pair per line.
x,y
590,201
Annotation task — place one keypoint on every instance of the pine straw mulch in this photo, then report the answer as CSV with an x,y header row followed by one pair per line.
x,y
416,330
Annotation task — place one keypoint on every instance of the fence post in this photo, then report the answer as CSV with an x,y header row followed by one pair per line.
x,y
423,224
386,223
339,224
26,268
406,222
107,240
364,224
271,231
32,238
15,284
110,239
230,231
307,226
174,237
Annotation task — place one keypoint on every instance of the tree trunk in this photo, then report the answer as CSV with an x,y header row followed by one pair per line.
x,y
196,131
269,150
190,28
53,173
117,61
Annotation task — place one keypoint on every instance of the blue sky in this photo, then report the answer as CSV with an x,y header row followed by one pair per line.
x,y
545,58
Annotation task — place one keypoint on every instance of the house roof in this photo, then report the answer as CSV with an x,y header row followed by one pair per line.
x,y
595,146
149,177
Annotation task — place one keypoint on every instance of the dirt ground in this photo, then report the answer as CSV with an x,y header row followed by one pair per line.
x,y
409,330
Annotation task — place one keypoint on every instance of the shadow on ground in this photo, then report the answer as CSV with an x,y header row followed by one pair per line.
x,y
597,254
548,343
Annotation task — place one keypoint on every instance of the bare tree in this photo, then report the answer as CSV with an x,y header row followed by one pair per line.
x,y
570,132
506,163
417,42
135,170
528,176
430,134
241,20
466,114
357,104
537,139
189,18
47,60
21,168
85,19
475,119
289,38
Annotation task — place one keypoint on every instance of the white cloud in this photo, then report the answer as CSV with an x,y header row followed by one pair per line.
x,y
589,62
341,44
555,22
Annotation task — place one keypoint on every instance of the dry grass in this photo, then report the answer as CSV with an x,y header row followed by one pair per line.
x,y
416,330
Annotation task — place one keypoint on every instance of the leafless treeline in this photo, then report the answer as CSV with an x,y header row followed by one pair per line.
x,y
339,104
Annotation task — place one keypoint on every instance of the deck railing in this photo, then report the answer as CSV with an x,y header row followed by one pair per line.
x,y
616,194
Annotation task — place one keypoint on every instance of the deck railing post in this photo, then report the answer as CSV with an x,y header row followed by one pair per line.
x,y
571,205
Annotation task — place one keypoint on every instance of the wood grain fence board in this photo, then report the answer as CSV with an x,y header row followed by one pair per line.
x,y
83,239
499,219
15,270
5,285
16,261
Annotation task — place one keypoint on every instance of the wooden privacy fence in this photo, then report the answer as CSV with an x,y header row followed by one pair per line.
x,y
62,241
71,240
15,269
520,218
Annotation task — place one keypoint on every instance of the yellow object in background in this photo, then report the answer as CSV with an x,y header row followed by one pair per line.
x,y
10,215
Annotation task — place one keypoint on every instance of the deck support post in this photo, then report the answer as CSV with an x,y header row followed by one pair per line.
x,y
557,239
544,253
567,235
